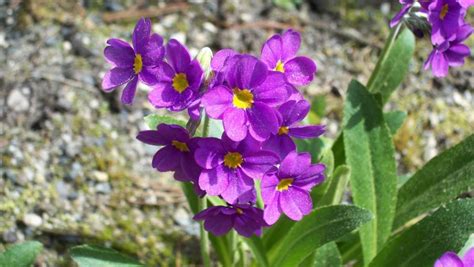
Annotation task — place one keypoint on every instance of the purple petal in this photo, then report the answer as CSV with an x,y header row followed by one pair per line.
x,y
235,121
177,55
121,56
214,181
274,91
128,93
141,34
280,145
272,210
194,110
272,51
456,54
294,164
439,65
312,176
268,186
399,16
116,77
293,112
295,95
449,259
216,101
246,73
219,225
263,121
463,33
163,95
190,169
154,51
258,163
166,159
194,75
240,187
466,4
468,258
300,70
218,60
210,153
152,137
118,43
291,41
148,75
163,72
207,213
295,203
310,131
173,132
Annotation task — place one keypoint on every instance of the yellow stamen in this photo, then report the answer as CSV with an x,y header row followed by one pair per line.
x,y
180,82
137,63
444,12
279,67
239,211
283,130
233,160
284,184
242,98
180,146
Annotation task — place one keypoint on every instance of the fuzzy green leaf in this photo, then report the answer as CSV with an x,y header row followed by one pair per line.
x,y
337,185
21,255
394,120
153,120
93,256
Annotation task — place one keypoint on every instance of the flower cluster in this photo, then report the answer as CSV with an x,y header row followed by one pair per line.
x,y
260,108
451,259
449,29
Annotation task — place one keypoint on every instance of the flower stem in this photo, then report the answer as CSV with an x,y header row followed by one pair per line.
x,y
204,241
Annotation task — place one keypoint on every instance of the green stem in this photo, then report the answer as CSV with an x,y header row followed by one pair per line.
x,y
204,242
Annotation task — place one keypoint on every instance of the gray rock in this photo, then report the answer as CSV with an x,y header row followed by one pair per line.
x,y
103,188
17,101
32,220
9,236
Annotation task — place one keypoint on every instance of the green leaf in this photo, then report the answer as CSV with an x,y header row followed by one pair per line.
x,y
328,256
319,191
274,235
446,230
315,146
318,109
287,4
442,179
188,190
21,255
258,250
370,155
153,120
393,64
336,187
468,245
93,256
323,225
394,120
220,246
338,151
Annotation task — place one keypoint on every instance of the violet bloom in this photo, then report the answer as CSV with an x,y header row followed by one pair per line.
x,y
244,218
219,64
229,167
287,188
179,80
133,64
292,113
445,17
246,103
279,54
406,5
451,259
176,153
450,54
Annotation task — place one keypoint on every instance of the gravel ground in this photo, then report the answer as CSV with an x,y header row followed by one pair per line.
x,y
71,170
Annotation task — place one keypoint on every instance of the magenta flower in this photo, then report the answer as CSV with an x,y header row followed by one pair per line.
x,y
245,103
244,218
179,80
287,188
291,113
406,5
133,64
229,167
466,3
177,153
451,259
446,17
279,54
219,64
450,54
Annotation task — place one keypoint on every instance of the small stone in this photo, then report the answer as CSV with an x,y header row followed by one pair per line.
x,y
103,188
32,220
100,176
9,236
17,101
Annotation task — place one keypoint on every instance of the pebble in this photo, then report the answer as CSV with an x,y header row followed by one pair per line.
x,y
103,188
32,220
100,176
17,101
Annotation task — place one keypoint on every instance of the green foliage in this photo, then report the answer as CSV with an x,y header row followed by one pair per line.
x,y
93,256
394,120
393,64
153,120
327,256
287,4
446,230
323,225
442,179
191,197
21,255
370,155
336,187
258,250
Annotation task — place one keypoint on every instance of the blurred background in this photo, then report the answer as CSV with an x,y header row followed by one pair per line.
x,y
71,170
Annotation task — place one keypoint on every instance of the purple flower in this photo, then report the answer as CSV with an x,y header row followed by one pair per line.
x,y
407,4
245,103
133,64
451,259
449,54
229,167
287,189
291,113
244,218
179,80
279,54
466,3
445,16
176,153
219,64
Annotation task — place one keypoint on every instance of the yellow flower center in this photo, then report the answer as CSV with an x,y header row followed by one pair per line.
x,y
444,12
284,184
137,63
239,211
279,67
283,130
180,146
233,160
180,82
242,98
